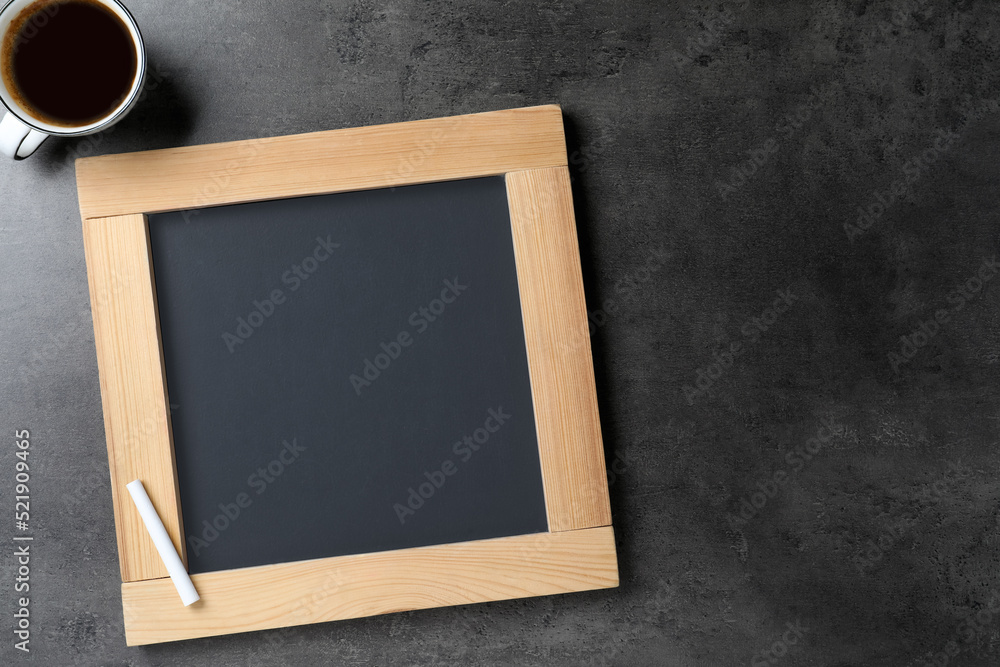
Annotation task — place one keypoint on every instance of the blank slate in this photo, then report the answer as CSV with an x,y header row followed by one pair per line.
x,y
354,365
351,370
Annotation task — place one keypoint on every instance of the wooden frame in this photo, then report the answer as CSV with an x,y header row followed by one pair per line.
x,y
528,147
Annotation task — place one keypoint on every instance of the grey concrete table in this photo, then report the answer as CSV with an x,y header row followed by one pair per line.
x,y
788,215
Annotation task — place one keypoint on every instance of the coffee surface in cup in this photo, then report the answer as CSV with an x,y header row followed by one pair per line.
x,y
68,62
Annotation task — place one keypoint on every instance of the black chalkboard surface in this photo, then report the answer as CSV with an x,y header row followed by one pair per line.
x,y
347,373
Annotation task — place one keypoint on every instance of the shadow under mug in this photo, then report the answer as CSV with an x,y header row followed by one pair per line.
x,y
20,132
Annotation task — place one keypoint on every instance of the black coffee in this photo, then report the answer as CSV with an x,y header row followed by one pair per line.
x,y
68,62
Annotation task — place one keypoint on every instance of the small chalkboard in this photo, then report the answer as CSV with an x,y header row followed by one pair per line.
x,y
351,370
349,374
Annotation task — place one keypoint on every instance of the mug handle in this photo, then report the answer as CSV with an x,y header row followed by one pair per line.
x,y
17,140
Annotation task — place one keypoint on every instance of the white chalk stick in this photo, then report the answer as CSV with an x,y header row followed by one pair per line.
x,y
163,544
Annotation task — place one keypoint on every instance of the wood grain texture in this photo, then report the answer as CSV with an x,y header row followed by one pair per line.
x,y
328,589
558,344
322,162
132,386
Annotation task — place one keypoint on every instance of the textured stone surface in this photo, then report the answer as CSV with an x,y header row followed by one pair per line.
x,y
876,547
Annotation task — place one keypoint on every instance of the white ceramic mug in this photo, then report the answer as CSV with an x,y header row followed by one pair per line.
x,y
21,133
